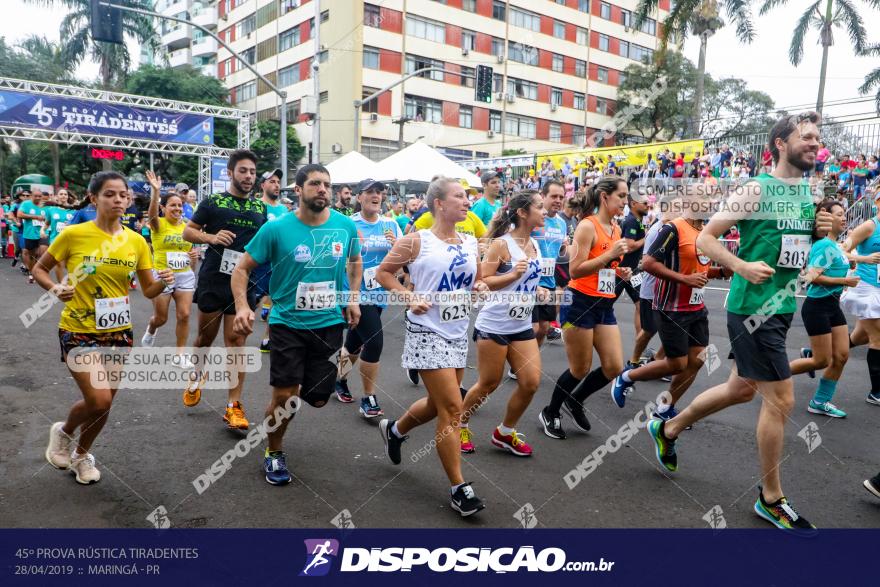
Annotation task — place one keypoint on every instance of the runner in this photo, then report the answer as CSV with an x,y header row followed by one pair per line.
x,y
503,329
226,223
863,300
15,227
170,251
588,320
823,319
270,183
444,263
376,235
58,216
343,201
760,306
633,230
97,312
552,238
307,251
32,217
486,207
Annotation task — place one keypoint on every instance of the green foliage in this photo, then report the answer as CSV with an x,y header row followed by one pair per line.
x,y
507,152
266,143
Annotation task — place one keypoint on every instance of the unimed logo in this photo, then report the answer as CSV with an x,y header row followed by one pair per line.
x,y
320,552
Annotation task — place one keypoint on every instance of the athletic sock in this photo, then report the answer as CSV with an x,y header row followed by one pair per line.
x,y
455,487
625,377
595,381
504,430
874,369
825,391
462,424
565,385
395,431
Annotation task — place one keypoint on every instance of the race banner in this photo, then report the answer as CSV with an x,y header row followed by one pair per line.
x,y
74,115
625,155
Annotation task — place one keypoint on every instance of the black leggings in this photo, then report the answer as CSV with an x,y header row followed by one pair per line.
x,y
366,339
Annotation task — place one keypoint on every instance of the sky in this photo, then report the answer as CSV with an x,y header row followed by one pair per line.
x,y
763,64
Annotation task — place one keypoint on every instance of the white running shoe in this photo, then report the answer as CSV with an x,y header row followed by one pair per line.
x,y
58,451
181,362
148,339
511,374
84,469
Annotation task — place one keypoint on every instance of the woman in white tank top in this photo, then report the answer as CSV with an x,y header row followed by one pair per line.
x,y
443,267
503,330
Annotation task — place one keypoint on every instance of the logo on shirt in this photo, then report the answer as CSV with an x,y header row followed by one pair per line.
x,y
336,248
702,258
302,254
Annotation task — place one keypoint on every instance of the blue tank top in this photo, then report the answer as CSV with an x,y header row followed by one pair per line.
x,y
869,246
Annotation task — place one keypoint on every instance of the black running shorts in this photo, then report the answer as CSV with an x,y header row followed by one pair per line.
x,y
758,345
302,357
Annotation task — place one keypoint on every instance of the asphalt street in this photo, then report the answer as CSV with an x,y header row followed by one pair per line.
x,y
153,448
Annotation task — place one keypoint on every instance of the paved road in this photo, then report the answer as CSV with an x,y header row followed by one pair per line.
x,y
153,448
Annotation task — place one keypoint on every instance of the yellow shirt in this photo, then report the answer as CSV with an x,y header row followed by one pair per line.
x,y
471,225
169,239
99,266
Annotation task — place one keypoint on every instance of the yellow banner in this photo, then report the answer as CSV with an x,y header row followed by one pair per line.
x,y
623,156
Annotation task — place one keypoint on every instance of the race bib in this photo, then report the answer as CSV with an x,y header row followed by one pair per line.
x,y
606,281
112,313
457,306
696,296
177,260
60,226
548,267
794,251
521,308
636,279
229,261
370,278
37,223
315,296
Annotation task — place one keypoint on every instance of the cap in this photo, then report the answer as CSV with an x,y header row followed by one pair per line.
x,y
488,176
369,183
181,187
276,172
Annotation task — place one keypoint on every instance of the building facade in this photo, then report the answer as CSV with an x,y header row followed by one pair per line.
x,y
185,44
557,66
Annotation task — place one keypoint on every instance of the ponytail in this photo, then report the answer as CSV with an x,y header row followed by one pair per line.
x,y
507,214
587,203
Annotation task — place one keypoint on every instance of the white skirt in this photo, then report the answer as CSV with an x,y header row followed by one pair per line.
x,y
862,301
425,349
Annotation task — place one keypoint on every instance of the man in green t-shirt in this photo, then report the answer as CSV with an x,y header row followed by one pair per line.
x,y
32,217
486,206
776,219
311,252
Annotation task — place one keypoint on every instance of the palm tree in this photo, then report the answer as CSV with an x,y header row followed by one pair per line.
x,y
78,45
701,18
837,13
872,80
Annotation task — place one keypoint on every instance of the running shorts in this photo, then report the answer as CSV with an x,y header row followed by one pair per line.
x,y
820,315
31,244
71,340
425,349
624,285
648,316
302,357
216,296
543,313
504,339
680,331
758,345
862,300
587,311
366,340
183,281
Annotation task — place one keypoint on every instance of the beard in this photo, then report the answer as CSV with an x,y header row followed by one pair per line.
x,y
315,205
800,161
240,188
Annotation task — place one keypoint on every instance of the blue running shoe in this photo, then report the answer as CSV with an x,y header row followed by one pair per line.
x,y
342,392
667,415
807,354
275,468
620,389
873,398
370,407
782,515
264,313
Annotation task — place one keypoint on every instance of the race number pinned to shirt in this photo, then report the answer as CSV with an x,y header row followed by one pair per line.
x,y
37,223
697,296
370,278
794,251
456,306
636,279
60,226
521,307
606,281
548,267
112,313
229,261
319,295
177,260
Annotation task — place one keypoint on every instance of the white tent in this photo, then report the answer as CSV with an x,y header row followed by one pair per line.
x,y
351,168
419,162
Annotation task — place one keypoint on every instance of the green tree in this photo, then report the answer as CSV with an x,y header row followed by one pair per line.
x,y
872,80
733,109
266,144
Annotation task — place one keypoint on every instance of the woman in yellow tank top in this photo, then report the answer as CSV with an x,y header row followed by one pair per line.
x,y
587,318
170,251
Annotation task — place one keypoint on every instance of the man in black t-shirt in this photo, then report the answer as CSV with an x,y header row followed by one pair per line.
x,y
633,230
226,223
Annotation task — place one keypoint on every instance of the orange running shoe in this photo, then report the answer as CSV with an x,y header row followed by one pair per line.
x,y
193,392
235,417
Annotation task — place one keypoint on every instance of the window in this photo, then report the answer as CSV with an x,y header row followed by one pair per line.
x,y
266,14
605,10
466,117
581,36
625,17
640,53
649,26
584,5
288,5
558,29
289,75
498,10
621,77
579,102
580,68
577,135
604,42
624,48
467,81
246,26
249,55
246,91
293,110
522,88
497,82
555,132
324,97
371,107
323,56
495,120
558,62
497,46
325,16
267,48
602,74
423,109
426,29
289,38
468,40
601,106
521,126
414,62
526,20
371,58
556,96
523,54
469,5
372,16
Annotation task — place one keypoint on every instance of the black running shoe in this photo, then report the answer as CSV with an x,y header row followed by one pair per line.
x,y
782,515
392,443
575,410
413,376
552,425
14,261
465,501
264,346
873,485
342,392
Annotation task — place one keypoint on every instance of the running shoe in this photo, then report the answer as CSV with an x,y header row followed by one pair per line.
x,y
513,443
511,374
84,469
826,409
392,442
275,468
235,418
873,485
133,284
148,340
552,425
631,365
23,270
669,415
465,501
555,324
664,447
193,392
58,451
181,362
14,261
31,279
264,346
463,392
413,376
808,354
264,313
467,447
370,407
873,398
555,333
783,516
666,379
576,412
620,389
342,392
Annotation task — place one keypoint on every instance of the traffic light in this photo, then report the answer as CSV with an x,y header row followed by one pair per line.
x,y
106,23
484,83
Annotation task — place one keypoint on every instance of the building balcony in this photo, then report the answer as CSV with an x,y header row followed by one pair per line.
x,y
204,47
179,58
172,7
206,17
178,37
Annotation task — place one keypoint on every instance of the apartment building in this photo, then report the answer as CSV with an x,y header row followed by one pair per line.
x,y
557,65
185,44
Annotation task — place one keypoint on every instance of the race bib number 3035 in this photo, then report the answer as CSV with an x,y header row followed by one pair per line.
x,y
794,251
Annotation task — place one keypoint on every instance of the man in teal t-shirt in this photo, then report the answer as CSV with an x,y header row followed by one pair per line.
x,y
490,203
32,218
310,251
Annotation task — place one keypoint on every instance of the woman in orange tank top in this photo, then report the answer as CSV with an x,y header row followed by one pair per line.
x,y
588,319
